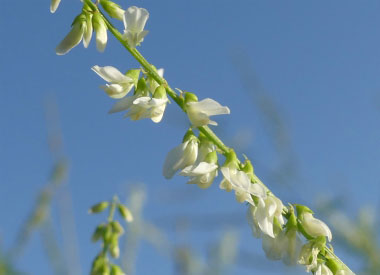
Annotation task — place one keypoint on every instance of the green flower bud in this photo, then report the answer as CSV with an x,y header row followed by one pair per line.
x,y
190,97
98,233
134,74
99,265
125,212
100,28
117,228
99,207
160,92
115,270
112,9
114,248
107,234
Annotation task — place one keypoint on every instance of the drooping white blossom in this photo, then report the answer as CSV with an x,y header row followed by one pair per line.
x,y
199,112
240,182
308,256
265,211
201,174
180,157
134,22
315,227
74,37
54,5
89,30
120,84
100,28
140,107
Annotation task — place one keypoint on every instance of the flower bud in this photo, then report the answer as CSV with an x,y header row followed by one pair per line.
x,y
100,28
190,97
54,5
115,270
74,37
98,233
114,248
107,234
88,33
117,228
112,9
125,212
99,207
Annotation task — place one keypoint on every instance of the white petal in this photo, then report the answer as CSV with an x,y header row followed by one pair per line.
x,y
88,33
54,5
111,74
114,90
211,107
258,191
197,170
122,105
180,157
172,159
101,38
135,18
315,227
72,39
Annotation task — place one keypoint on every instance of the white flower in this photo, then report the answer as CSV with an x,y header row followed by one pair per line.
x,y
88,32
199,112
274,247
240,182
315,227
292,247
180,157
140,107
134,22
120,85
322,269
265,212
100,28
201,174
54,5
286,245
74,37
308,256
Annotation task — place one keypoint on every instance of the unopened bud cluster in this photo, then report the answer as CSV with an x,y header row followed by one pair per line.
x,y
109,233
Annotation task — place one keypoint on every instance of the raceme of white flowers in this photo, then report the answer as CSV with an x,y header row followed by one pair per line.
x,y
289,233
134,19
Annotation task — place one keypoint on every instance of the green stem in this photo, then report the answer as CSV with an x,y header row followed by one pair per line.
x,y
177,98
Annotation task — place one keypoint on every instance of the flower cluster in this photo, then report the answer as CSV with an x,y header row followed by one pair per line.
x,y
90,20
109,233
289,233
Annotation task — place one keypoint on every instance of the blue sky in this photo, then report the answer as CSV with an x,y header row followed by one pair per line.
x,y
316,61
